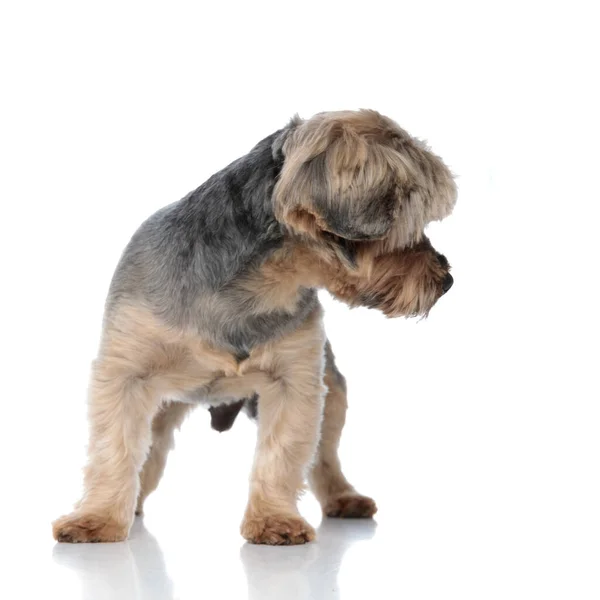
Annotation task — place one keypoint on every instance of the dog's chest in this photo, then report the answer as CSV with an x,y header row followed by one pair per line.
x,y
230,325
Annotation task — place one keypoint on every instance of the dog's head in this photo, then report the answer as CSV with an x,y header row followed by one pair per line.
x,y
360,189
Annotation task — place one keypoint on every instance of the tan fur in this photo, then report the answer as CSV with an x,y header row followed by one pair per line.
x,y
337,497
141,363
403,282
406,282
277,530
343,162
289,416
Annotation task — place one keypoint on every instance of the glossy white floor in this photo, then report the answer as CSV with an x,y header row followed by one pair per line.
x,y
476,430
486,480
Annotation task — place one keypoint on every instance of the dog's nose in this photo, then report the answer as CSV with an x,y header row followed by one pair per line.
x,y
447,282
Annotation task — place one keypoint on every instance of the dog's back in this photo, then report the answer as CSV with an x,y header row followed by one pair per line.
x,y
183,259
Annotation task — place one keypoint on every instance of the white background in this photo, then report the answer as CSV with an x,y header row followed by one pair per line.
x,y
476,430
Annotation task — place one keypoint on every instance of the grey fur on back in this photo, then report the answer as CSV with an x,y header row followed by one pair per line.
x,y
182,261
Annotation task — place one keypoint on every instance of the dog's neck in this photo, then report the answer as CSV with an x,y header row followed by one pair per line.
x,y
280,281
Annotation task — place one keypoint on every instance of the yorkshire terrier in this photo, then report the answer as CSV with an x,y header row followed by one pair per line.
x,y
214,302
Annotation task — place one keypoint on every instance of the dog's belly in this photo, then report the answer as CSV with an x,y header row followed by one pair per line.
x,y
223,408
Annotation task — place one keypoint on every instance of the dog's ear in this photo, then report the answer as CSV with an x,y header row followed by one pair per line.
x,y
337,179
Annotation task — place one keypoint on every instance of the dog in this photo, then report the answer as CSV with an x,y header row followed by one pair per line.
x,y
214,302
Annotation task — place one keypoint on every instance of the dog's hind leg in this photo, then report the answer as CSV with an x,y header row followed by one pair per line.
x,y
337,497
167,420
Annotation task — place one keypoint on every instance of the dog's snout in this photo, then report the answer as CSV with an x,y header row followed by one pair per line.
x,y
442,260
447,282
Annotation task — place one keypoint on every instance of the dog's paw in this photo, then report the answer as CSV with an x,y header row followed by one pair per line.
x,y
277,530
350,505
75,528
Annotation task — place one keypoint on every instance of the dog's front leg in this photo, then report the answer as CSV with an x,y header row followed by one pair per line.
x,y
121,407
290,409
287,438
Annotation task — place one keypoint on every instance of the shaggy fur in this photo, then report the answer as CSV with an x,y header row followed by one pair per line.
x,y
214,302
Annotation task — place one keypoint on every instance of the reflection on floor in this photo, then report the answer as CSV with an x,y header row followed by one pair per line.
x,y
137,568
